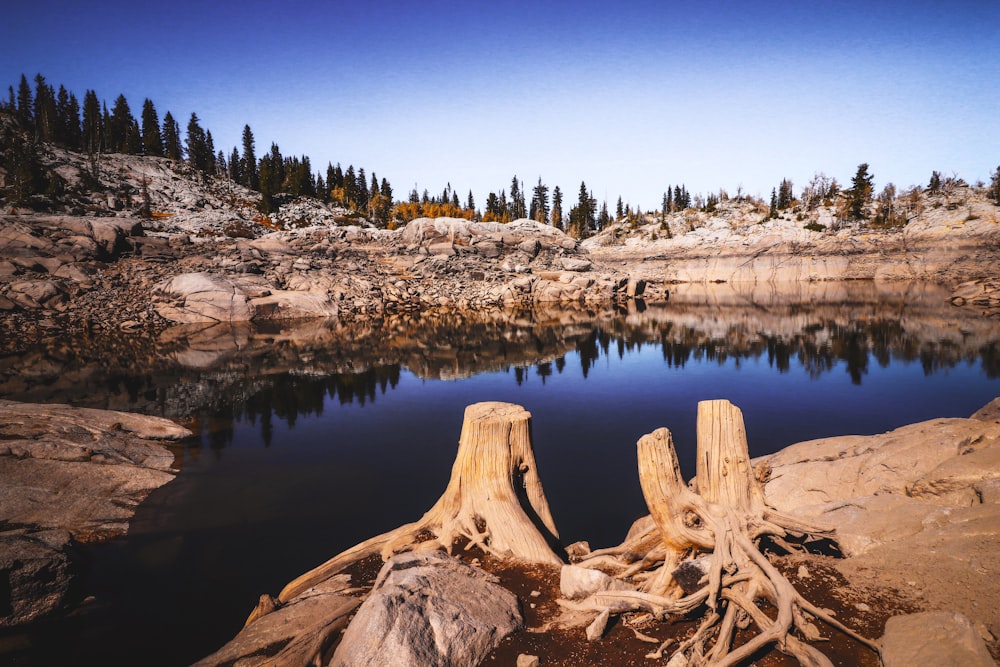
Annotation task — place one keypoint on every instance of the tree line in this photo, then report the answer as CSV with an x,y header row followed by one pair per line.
x,y
48,115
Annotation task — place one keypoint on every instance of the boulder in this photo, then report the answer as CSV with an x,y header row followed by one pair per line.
x,y
933,639
428,609
832,469
201,297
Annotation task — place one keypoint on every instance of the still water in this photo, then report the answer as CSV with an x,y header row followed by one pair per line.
x,y
314,436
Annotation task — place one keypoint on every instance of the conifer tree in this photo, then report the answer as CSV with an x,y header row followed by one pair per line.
x,y
44,110
152,138
248,164
133,139
196,144
210,165
91,123
62,129
361,190
171,138
119,125
235,168
619,211
994,190
785,195
470,203
518,209
773,210
25,103
557,214
540,202
71,124
860,194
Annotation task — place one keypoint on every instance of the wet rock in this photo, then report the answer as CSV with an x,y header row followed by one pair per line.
x,y
429,609
37,569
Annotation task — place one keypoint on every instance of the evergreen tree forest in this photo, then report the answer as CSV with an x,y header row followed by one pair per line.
x,y
46,114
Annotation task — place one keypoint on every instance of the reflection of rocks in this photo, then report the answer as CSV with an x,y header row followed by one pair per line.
x,y
199,366
69,474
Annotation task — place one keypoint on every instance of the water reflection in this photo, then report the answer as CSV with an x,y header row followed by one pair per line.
x,y
219,374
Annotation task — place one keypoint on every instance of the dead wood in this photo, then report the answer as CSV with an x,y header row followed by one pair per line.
x,y
494,500
722,513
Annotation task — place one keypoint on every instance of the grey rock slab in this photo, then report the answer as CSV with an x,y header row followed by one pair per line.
x,y
429,610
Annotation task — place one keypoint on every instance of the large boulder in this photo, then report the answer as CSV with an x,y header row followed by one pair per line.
x,y
832,469
202,297
429,610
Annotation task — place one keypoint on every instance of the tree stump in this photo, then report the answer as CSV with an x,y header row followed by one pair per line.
x,y
722,513
494,500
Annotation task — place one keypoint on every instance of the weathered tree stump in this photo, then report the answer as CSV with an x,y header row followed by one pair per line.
x,y
494,500
722,513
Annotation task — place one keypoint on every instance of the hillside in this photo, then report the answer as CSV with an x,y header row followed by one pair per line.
x,y
125,242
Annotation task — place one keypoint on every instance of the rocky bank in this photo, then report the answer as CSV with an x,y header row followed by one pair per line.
x,y
70,475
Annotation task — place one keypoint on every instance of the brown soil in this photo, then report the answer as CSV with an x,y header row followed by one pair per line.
x,y
865,611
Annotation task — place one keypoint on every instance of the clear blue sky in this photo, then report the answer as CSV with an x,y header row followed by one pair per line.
x,y
629,97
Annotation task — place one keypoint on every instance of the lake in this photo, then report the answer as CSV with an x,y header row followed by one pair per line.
x,y
313,436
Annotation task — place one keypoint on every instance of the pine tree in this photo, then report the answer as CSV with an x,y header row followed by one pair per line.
x,y
362,190
785,195
557,213
773,210
994,190
470,203
45,110
25,103
171,138
619,210
248,164
540,202
71,125
210,165
935,183
518,209
152,139
235,168
120,122
62,130
133,139
91,123
196,144
860,194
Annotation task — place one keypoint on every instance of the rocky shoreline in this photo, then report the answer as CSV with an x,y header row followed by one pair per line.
x,y
916,518
70,475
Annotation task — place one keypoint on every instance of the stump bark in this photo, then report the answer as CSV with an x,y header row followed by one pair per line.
x,y
494,500
722,513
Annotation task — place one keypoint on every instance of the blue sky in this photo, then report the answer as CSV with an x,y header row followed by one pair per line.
x,y
629,97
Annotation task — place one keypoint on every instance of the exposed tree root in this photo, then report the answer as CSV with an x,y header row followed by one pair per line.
x,y
722,513
494,500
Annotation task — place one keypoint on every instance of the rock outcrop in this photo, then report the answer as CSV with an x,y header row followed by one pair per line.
x,y
915,509
69,475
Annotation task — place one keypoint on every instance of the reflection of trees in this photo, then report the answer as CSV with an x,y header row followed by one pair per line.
x,y
219,376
